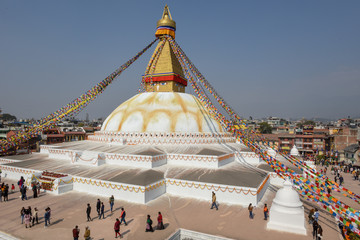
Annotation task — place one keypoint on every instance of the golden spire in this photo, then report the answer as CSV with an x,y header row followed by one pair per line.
x,y
166,25
166,19
167,74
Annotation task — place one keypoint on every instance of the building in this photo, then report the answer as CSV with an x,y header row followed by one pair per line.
x,y
307,140
351,153
343,137
53,136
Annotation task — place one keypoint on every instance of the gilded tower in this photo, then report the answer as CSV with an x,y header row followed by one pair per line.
x,y
168,75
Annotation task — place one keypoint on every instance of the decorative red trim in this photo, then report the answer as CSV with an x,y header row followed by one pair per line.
x,y
172,77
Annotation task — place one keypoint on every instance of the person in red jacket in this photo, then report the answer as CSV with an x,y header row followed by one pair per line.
x,y
76,232
117,228
160,222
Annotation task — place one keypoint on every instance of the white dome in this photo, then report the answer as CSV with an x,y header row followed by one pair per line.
x,y
161,112
294,151
287,196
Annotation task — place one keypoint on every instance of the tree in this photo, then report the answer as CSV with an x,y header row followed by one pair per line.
x,y
305,122
265,128
309,122
7,117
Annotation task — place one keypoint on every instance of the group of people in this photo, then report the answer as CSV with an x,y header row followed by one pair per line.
x,y
149,222
251,209
29,216
314,220
100,208
4,191
76,233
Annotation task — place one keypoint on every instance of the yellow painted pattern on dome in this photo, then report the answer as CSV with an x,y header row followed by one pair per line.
x,y
161,112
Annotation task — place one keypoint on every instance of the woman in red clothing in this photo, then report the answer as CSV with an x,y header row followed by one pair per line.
x,y
117,228
160,222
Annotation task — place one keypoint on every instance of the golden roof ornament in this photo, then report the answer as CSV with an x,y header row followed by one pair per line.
x,y
166,25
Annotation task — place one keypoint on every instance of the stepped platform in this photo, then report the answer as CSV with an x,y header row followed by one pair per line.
x,y
233,182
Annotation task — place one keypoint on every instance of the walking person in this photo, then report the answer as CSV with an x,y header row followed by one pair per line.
x,y
149,222
266,212
102,211
35,217
160,222
251,208
122,216
214,201
22,193
34,189
6,193
76,232
98,206
111,201
341,179
22,214
24,188
47,217
88,211
117,228
12,188
49,211
87,233
315,228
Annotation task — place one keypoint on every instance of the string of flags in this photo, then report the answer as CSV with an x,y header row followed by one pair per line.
x,y
313,187
69,110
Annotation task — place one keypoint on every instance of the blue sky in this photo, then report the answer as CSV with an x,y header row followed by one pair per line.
x,y
266,58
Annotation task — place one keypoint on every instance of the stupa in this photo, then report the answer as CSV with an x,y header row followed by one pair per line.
x,y
160,141
287,211
294,151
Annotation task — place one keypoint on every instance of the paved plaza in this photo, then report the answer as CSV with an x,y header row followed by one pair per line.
x,y
230,221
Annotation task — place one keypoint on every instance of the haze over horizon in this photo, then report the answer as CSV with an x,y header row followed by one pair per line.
x,y
266,58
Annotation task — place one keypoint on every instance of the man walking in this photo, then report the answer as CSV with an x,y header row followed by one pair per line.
x,y
122,216
214,201
111,201
88,211
76,232
98,205
341,180
266,211
47,217
251,208
102,211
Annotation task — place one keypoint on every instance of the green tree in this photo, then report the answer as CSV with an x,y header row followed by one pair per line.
x,y
305,122
309,122
265,128
7,117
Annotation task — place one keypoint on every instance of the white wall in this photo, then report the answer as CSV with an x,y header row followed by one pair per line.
x,y
248,157
137,195
14,173
242,198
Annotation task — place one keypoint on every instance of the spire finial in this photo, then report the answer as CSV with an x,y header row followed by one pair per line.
x,y
166,25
